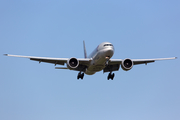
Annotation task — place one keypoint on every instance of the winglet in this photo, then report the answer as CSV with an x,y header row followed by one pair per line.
x,y
85,54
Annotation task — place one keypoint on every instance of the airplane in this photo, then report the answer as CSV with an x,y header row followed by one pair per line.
x,y
99,59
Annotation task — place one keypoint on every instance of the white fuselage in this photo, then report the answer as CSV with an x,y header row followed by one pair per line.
x,y
99,57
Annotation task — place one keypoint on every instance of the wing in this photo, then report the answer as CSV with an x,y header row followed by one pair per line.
x,y
145,61
55,61
114,64
59,61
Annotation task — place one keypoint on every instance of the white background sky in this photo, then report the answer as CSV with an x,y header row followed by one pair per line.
x,y
137,29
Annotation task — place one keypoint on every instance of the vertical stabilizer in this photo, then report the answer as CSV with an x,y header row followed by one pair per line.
x,y
85,54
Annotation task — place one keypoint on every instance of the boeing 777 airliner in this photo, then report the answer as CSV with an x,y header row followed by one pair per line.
x,y
99,59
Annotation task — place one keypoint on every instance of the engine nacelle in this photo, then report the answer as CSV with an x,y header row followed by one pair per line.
x,y
127,64
72,63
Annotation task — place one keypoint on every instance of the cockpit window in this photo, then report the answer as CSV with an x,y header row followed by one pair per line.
x,y
108,45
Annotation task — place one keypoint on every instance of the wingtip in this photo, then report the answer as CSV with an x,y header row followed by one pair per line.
x,y
176,57
5,54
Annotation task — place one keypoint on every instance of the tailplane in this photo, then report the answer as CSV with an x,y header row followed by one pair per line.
x,y
85,54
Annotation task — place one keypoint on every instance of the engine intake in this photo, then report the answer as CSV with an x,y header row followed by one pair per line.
x,y
72,63
127,64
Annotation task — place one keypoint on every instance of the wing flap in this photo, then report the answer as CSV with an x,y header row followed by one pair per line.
x,y
61,68
59,62
142,62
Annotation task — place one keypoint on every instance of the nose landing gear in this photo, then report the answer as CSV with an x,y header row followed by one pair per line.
x,y
111,76
80,75
107,61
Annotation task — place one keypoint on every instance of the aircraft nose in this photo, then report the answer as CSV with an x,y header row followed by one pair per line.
x,y
109,52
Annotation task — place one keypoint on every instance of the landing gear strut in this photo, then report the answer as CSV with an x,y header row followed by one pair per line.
x,y
111,76
107,61
80,75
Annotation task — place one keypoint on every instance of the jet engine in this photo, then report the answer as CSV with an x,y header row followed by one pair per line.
x,y
72,63
127,64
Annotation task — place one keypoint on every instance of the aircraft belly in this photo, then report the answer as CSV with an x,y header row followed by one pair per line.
x,y
93,69
97,66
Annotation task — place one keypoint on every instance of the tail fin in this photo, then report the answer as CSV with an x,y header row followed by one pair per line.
x,y
85,54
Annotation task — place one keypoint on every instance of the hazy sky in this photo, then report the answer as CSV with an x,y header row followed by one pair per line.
x,y
137,29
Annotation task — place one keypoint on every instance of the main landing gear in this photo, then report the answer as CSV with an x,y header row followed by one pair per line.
x,y
111,76
80,75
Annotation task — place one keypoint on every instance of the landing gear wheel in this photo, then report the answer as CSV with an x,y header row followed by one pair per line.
x,y
80,75
111,76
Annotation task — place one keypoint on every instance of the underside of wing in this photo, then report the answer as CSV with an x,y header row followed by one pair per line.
x,y
115,61
113,65
138,61
47,60
56,61
127,64
80,64
145,61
